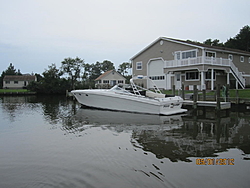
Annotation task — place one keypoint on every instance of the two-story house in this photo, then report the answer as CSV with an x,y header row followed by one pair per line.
x,y
171,62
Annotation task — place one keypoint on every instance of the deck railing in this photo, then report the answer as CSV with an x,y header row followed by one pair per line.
x,y
208,61
197,61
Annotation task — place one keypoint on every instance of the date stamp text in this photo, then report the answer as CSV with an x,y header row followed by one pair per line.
x,y
215,161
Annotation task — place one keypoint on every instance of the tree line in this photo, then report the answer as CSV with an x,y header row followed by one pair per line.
x,y
241,41
74,73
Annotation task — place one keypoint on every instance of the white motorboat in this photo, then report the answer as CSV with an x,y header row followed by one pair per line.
x,y
137,99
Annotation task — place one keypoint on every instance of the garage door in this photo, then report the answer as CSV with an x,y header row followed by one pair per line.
x,y
155,72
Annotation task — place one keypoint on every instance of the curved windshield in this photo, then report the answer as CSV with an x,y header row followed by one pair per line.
x,y
116,88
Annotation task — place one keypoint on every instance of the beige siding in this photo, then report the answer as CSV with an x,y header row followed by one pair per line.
x,y
11,84
157,50
243,67
165,50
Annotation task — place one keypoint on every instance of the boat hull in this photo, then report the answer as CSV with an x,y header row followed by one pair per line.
x,y
106,99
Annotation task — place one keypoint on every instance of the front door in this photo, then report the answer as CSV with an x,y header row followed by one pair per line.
x,y
178,80
113,82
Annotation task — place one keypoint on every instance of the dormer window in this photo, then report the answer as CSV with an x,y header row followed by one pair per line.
x,y
230,57
241,58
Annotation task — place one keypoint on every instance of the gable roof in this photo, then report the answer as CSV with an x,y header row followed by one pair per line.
x,y
19,78
107,73
195,45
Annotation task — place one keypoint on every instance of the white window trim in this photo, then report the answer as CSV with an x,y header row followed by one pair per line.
x,y
137,65
105,81
177,55
210,52
231,57
196,51
120,81
242,59
249,60
160,77
198,79
180,53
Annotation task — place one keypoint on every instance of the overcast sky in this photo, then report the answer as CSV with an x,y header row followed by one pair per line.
x,y
37,33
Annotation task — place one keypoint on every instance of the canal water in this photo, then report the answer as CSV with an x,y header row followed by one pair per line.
x,y
48,141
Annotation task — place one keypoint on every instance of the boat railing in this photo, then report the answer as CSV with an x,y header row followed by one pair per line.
x,y
151,94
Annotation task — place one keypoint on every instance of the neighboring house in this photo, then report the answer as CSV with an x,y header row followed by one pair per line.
x,y
171,62
109,78
17,82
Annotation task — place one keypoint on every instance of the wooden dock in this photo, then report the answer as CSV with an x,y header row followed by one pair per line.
x,y
214,104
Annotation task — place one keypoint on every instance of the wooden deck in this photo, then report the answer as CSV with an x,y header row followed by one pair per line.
x,y
223,105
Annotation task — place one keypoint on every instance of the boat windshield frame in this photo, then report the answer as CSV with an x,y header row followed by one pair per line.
x,y
118,89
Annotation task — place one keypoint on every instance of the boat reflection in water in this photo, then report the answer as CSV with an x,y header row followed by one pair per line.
x,y
175,137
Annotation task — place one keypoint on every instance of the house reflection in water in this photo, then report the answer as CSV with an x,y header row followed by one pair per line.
x,y
174,137
198,137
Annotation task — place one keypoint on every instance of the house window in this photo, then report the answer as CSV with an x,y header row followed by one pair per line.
x,y
106,81
210,54
120,81
188,54
7,82
139,65
157,77
241,58
15,82
192,76
230,56
178,55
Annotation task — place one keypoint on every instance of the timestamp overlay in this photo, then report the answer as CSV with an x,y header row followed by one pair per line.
x,y
215,161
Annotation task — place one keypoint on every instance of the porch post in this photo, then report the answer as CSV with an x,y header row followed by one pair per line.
x,y
228,78
236,84
212,79
202,80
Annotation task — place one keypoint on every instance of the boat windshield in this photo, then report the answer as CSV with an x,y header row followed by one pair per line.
x,y
118,89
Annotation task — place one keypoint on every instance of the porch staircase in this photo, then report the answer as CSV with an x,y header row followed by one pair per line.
x,y
237,75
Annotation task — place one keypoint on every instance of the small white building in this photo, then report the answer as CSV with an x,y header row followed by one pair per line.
x,y
109,79
17,81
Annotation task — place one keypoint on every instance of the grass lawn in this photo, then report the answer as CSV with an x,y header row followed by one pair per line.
x,y
243,93
13,90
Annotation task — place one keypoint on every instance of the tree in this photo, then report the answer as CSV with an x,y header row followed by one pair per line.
x,y
73,68
107,65
214,42
12,71
51,73
123,68
9,71
50,83
94,71
241,41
